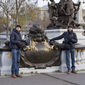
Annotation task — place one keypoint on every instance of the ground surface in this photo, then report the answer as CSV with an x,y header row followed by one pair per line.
x,y
45,79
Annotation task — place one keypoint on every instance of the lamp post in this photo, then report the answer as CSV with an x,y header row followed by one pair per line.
x,y
16,12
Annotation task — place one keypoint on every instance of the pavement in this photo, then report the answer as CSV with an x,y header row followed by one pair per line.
x,y
45,79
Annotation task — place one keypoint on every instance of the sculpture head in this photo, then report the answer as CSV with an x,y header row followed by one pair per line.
x,y
36,33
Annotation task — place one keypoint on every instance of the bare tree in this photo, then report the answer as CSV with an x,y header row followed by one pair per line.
x,y
19,4
10,8
32,13
20,11
7,7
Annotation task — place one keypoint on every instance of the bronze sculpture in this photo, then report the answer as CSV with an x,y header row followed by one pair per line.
x,y
63,14
39,54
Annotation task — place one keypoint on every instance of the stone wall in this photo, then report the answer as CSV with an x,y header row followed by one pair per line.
x,y
6,62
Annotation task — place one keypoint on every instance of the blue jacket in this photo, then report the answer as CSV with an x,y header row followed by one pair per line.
x,y
69,38
15,39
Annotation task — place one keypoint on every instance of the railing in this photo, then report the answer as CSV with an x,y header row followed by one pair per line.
x,y
3,38
80,59
80,56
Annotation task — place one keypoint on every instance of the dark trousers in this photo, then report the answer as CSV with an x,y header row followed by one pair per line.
x,y
70,54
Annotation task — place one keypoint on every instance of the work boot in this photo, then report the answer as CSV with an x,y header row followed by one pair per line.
x,y
18,75
13,76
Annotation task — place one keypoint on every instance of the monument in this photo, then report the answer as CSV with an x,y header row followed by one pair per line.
x,y
39,53
63,14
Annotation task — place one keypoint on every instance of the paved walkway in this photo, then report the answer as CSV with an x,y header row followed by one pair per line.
x,y
45,79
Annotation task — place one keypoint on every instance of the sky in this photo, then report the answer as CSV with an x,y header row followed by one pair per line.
x,y
45,2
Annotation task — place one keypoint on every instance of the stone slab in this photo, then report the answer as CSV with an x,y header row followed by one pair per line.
x,y
76,79
37,79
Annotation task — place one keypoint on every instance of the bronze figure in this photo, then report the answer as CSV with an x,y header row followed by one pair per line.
x,y
63,14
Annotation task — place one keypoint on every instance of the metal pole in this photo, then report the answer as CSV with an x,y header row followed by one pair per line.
x,y
16,12
7,25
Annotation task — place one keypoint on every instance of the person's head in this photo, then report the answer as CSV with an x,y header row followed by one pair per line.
x,y
18,28
70,28
52,0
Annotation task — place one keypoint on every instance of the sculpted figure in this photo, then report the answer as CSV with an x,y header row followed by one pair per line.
x,y
63,14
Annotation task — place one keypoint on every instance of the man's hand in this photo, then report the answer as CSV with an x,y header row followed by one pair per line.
x,y
51,42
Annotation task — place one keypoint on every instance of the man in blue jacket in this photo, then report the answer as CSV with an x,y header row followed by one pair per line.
x,y
15,39
70,39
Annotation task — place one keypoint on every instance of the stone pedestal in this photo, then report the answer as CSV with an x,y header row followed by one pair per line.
x,y
80,15
6,62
